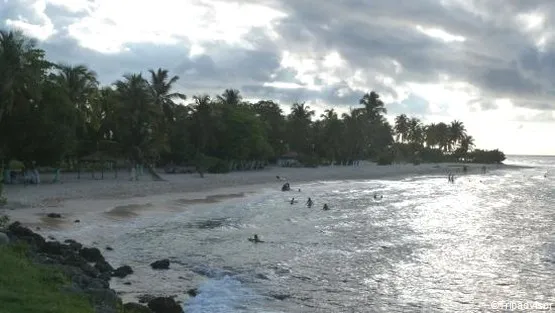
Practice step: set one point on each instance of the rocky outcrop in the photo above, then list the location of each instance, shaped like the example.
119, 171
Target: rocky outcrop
163, 264
4, 239
164, 305
76, 263
135, 308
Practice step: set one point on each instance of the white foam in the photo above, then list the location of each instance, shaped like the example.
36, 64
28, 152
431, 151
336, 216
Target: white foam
220, 296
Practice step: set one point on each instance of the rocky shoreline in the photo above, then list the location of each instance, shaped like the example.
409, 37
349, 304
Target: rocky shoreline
89, 273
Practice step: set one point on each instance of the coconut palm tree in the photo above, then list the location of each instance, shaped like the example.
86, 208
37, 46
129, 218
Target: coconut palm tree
162, 86
401, 127
373, 105
230, 97
457, 132
22, 70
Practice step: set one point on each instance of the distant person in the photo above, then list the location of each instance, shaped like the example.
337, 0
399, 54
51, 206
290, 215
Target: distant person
299, 189
278, 177
465, 169
326, 207
376, 196
293, 201
483, 169
309, 202
255, 239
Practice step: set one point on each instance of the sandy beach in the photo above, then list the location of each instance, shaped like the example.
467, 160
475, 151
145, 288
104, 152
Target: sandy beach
120, 198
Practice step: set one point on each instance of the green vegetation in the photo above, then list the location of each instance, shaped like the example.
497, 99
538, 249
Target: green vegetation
57, 114
29, 288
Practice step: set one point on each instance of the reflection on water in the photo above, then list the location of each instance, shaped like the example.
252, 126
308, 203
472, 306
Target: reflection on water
427, 246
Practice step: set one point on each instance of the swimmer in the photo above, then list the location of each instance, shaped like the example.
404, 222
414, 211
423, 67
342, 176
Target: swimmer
376, 197
255, 239
309, 202
293, 201
326, 207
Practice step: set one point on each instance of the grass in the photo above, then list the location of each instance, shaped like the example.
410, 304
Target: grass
29, 288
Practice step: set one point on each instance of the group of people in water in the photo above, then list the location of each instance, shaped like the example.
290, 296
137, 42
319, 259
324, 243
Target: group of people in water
309, 203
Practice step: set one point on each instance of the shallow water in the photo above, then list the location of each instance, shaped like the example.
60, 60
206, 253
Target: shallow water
427, 246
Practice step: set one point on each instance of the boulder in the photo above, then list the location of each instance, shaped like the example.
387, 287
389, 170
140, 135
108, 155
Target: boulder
91, 254
54, 215
73, 244
122, 271
164, 305
163, 264
103, 267
24, 234
135, 308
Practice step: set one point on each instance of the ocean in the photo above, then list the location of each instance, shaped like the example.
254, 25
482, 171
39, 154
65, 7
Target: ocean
483, 244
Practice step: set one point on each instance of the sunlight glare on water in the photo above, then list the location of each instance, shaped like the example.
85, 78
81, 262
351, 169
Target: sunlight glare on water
427, 246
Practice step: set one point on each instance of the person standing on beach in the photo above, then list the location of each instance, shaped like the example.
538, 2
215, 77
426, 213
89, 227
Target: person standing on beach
309, 202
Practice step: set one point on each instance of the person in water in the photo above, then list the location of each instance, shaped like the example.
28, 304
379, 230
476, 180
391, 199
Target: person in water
293, 201
326, 207
376, 196
309, 202
255, 239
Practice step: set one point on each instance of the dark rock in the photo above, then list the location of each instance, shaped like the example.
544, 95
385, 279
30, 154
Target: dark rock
91, 254
52, 247
128, 283
103, 267
164, 305
281, 296
77, 221
192, 292
161, 264
54, 215
122, 271
51, 237
20, 233
135, 308
145, 298
109, 248
73, 244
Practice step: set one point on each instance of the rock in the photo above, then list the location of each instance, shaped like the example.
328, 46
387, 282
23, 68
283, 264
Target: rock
122, 271
103, 267
135, 308
53, 247
109, 248
161, 264
128, 283
77, 221
24, 234
164, 305
145, 298
4, 239
192, 292
73, 244
54, 215
91, 254
51, 237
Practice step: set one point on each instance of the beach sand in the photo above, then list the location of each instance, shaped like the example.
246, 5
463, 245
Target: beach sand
120, 198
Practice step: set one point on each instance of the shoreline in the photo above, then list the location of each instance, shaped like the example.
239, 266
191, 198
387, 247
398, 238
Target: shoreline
121, 199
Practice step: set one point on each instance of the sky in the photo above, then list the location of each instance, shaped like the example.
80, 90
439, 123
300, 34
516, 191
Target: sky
487, 63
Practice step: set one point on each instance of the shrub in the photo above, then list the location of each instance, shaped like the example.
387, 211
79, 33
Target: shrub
487, 156
4, 220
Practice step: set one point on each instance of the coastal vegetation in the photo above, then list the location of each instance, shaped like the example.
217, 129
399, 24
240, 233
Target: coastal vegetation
57, 114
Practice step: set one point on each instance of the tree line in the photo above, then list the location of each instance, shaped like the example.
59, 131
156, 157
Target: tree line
53, 114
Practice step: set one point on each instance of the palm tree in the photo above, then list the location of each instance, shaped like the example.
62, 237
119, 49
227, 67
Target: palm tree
299, 132
230, 97
401, 127
162, 86
22, 69
467, 144
415, 131
139, 118
373, 105
457, 132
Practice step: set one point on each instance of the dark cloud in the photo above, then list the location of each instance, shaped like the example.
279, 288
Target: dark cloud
497, 56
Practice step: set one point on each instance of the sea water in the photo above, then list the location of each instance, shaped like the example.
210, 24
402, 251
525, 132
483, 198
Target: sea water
426, 246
